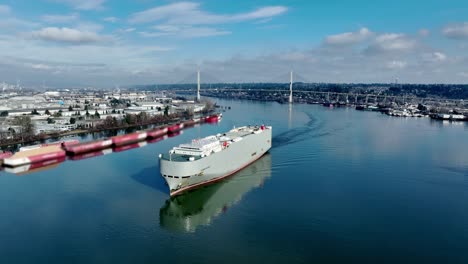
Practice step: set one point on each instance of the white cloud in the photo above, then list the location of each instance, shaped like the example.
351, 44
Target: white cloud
189, 13
8, 22
434, 57
263, 21
167, 28
459, 31
4, 9
67, 35
60, 19
388, 37
261, 13
394, 65
463, 74
40, 66
439, 56
183, 32
84, 4
110, 19
150, 60
89, 26
391, 42
348, 37
424, 32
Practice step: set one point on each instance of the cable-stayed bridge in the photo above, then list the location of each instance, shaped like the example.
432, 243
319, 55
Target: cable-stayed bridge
289, 90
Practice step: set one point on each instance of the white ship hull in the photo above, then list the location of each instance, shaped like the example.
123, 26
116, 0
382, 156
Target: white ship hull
183, 175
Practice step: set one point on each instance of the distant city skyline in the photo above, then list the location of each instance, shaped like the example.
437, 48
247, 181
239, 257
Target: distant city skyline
102, 43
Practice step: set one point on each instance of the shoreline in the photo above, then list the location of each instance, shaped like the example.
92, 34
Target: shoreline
43, 138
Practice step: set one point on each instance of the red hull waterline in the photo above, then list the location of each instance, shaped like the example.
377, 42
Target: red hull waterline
154, 140
89, 146
212, 118
128, 138
45, 163
174, 134
89, 155
215, 180
155, 133
25, 169
14, 162
175, 128
130, 146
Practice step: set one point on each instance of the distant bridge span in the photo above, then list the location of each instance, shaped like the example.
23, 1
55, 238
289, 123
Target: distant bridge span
333, 96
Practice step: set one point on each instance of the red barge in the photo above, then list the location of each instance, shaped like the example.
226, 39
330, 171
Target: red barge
213, 118
35, 167
158, 132
63, 144
175, 128
128, 138
38, 154
89, 146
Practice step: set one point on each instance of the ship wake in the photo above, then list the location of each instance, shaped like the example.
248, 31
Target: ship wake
312, 129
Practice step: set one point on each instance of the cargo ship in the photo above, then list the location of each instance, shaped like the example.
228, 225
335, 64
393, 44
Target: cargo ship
213, 158
186, 213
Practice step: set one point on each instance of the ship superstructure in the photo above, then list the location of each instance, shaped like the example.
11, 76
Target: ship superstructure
213, 158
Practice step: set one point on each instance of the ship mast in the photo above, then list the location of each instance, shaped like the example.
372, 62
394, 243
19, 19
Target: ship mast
198, 85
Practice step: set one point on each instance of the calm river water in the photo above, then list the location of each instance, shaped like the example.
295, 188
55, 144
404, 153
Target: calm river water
338, 185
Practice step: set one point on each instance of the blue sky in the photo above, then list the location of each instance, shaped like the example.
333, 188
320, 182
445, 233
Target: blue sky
103, 43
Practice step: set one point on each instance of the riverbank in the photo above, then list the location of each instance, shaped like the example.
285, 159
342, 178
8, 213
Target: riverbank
29, 140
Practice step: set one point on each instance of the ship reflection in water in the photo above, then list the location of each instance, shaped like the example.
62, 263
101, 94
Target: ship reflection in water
35, 167
185, 213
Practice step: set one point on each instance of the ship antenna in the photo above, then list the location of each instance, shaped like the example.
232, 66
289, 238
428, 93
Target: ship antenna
198, 85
